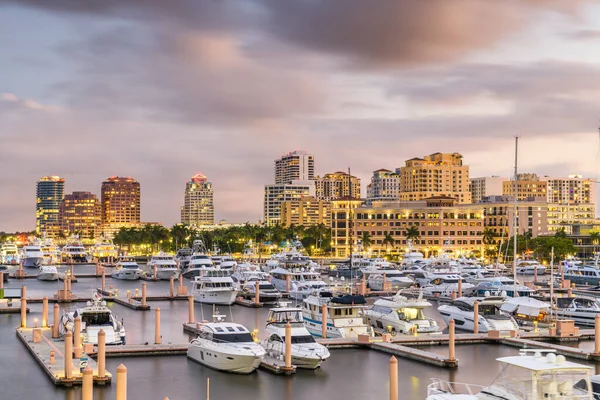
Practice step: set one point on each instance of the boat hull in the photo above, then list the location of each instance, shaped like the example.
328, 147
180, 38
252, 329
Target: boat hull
126, 275
32, 262
314, 327
222, 361
165, 274
225, 297
48, 276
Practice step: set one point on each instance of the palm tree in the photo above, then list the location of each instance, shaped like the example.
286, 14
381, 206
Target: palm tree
412, 233
595, 239
388, 239
488, 236
366, 239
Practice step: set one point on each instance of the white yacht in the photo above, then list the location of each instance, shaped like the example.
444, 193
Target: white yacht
246, 272
345, 317
47, 273
183, 257
199, 262
227, 262
73, 251
127, 269
32, 255
444, 285
214, 286
9, 253
306, 352
394, 280
528, 267
95, 316
290, 258
498, 286
302, 281
104, 251
491, 317
413, 257
581, 274
226, 346
166, 266
267, 291
529, 376
581, 309
51, 252
399, 314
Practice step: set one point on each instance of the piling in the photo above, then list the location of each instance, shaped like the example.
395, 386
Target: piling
143, 294
101, 354
451, 339
288, 346
453, 295
69, 286
476, 317
324, 321
288, 283
87, 384
72, 272
1, 280
77, 337
23, 307
384, 282
535, 275
157, 339
55, 333
569, 292
103, 280
597, 334
191, 309
121, 382
460, 293
45, 312
172, 292
363, 285
393, 378
208, 387
69, 355
52, 357
257, 293
65, 287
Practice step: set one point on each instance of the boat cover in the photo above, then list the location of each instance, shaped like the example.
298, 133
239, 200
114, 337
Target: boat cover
349, 299
525, 306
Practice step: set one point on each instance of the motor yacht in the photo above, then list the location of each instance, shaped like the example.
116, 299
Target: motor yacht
95, 316
9, 253
183, 257
444, 285
127, 269
166, 266
199, 262
413, 257
529, 376
104, 251
581, 309
345, 318
226, 346
224, 261
32, 255
291, 257
246, 272
394, 280
491, 317
73, 251
399, 314
50, 251
581, 274
306, 352
302, 281
498, 286
267, 291
529, 267
214, 286
47, 273
528, 311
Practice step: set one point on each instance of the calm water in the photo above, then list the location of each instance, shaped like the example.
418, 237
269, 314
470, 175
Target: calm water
348, 374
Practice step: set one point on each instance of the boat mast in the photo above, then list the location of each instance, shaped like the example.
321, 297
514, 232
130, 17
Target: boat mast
349, 227
515, 227
551, 283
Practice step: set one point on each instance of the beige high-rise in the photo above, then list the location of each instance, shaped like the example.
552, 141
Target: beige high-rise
336, 185
198, 207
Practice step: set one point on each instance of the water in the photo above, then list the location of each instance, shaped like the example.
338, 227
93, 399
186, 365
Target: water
348, 374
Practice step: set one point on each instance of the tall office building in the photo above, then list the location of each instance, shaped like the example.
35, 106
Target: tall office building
439, 174
336, 185
575, 189
120, 199
81, 213
277, 194
50, 191
294, 166
385, 185
486, 186
198, 207
529, 187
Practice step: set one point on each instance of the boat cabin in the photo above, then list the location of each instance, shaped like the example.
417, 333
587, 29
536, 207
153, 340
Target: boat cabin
225, 332
281, 316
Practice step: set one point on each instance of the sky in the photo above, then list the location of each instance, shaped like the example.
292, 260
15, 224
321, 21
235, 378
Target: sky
161, 90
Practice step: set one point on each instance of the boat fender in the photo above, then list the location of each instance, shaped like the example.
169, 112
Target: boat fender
351, 321
393, 333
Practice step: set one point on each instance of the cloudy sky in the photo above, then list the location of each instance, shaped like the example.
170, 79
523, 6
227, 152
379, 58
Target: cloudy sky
160, 90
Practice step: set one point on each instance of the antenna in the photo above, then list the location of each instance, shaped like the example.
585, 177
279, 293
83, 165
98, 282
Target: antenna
515, 226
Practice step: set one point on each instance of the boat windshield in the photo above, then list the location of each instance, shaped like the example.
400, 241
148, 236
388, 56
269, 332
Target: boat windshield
409, 314
303, 339
131, 266
233, 337
96, 318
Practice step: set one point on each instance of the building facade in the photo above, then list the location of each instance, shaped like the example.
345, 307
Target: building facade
385, 185
528, 185
198, 207
120, 198
336, 185
439, 174
81, 213
305, 211
564, 216
572, 190
485, 186
277, 194
50, 191
532, 216
294, 166
343, 240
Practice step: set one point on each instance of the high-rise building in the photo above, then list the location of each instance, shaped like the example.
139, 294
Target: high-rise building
486, 186
305, 211
529, 187
499, 212
277, 194
50, 191
120, 199
439, 174
198, 208
385, 185
338, 184
573, 190
294, 166
81, 213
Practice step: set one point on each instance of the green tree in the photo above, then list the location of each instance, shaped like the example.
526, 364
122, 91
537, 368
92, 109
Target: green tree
366, 239
595, 239
412, 233
561, 233
543, 245
388, 240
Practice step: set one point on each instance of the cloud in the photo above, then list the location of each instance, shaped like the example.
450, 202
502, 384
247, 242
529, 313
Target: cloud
11, 102
584, 34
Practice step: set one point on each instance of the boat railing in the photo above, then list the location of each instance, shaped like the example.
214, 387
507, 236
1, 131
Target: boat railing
438, 386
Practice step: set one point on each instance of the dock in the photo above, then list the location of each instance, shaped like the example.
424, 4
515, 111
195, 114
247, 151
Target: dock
140, 350
41, 351
276, 366
414, 354
130, 303
240, 301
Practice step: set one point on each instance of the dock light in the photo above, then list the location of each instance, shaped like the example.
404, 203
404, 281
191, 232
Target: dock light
35, 322
389, 328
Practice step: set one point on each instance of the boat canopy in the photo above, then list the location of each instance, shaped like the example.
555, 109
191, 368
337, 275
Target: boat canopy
525, 306
349, 299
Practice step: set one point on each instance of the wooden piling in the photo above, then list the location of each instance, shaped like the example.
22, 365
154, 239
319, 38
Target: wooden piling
45, 312
121, 382
288, 283
451, 340
172, 287
77, 349
103, 280
393, 378
23, 307
143, 294
288, 345
55, 332
87, 384
257, 293
475, 316
191, 309
324, 321
157, 338
101, 354
460, 291
68, 355
597, 334
1, 280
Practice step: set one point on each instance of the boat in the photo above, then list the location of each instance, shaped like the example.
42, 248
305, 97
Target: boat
47, 273
529, 267
9, 253
32, 255
595, 381
306, 352
528, 311
581, 309
267, 291
399, 314
581, 274
166, 266
95, 316
226, 346
302, 281
5, 272
214, 286
199, 262
345, 317
127, 269
491, 317
394, 280
246, 272
445, 285
50, 251
227, 262
290, 257
499, 286
104, 251
528, 376
183, 257
73, 251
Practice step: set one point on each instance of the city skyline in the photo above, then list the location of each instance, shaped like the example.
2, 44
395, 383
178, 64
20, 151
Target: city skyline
235, 89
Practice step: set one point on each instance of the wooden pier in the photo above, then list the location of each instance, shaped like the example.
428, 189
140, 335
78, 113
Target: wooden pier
140, 350
49, 353
276, 366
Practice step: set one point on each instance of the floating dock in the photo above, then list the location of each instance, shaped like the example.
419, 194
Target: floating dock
276, 366
139, 350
